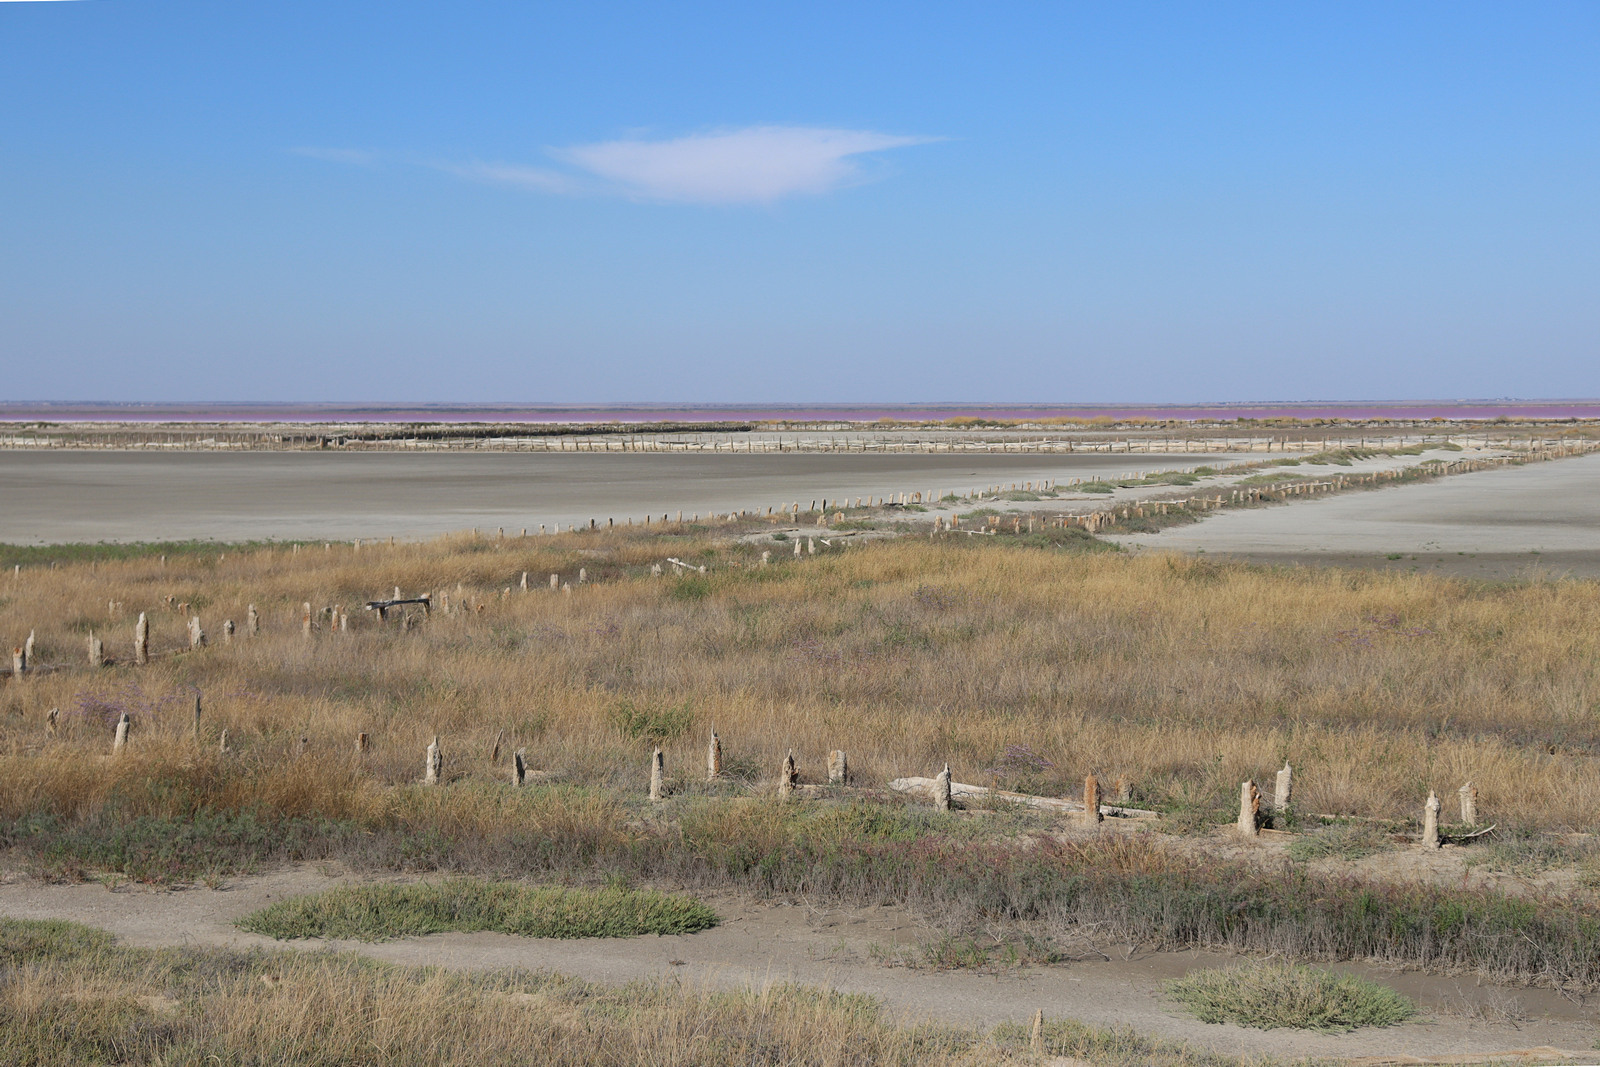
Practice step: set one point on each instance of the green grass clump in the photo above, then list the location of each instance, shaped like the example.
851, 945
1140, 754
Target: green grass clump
1269, 996
469, 905
1342, 841
1525, 853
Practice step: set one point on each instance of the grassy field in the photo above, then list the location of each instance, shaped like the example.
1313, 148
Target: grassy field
69, 995
468, 905
1027, 661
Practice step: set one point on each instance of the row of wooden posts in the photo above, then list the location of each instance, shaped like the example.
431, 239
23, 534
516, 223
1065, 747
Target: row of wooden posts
1251, 817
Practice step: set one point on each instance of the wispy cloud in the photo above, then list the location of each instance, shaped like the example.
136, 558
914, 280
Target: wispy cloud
753, 165
353, 156
538, 179
758, 164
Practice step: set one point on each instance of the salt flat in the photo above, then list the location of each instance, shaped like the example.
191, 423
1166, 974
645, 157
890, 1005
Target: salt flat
56, 497
1543, 517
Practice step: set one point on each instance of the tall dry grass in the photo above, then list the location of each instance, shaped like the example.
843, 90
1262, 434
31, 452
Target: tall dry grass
1185, 675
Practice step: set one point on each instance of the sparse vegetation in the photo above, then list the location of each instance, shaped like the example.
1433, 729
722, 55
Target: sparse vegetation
1184, 675
1342, 841
1269, 996
469, 905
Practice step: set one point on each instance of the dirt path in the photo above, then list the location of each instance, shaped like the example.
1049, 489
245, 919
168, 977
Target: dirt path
838, 947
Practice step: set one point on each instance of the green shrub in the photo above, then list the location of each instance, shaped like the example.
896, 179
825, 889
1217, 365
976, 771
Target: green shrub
1269, 996
467, 905
1344, 841
637, 723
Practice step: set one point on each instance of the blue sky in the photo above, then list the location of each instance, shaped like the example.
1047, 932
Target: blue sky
919, 202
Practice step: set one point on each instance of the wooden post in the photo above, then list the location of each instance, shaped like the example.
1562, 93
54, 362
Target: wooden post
433, 763
714, 757
27, 650
519, 766
941, 789
524, 578
787, 776
141, 640
252, 621
363, 744
1091, 801
52, 721
121, 738
1036, 1037
19, 661
838, 767
1124, 789
97, 651
197, 636
658, 770
766, 557
1469, 804
555, 582
1249, 809
583, 575
1430, 822
1283, 790
222, 745
494, 753
305, 620
797, 549
227, 632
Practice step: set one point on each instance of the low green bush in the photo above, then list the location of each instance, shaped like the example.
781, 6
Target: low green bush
1269, 996
468, 905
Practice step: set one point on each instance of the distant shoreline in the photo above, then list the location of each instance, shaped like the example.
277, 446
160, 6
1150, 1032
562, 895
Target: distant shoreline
1453, 410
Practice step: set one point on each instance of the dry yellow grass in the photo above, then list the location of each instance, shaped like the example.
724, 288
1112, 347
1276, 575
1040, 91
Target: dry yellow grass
1184, 674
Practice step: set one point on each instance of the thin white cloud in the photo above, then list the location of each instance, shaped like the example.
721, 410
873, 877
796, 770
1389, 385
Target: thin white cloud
352, 156
538, 179
754, 165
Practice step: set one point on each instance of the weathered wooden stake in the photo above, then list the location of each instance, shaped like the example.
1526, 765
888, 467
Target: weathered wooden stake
1283, 790
1469, 804
524, 578
1091, 801
363, 744
787, 776
1036, 1038
494, 753
141, 640
222, 745
1124, 787
658, 770
519, 766
52, 720
1430, 822
19, 661
305, 620
433, 763
197, 636
555, 582
27, 649
583, 575
227, 631
252, 621
941, 789
766, 557
838, 767
714, 757
1249, 809
121, 738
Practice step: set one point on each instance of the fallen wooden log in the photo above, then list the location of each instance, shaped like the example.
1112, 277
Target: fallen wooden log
960, 791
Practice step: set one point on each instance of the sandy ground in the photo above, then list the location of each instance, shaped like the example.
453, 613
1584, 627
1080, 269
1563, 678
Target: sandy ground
53, 497
1543, 518
838, 947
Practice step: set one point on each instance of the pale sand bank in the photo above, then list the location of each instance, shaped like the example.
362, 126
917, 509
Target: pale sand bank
1543, 517
133, 496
